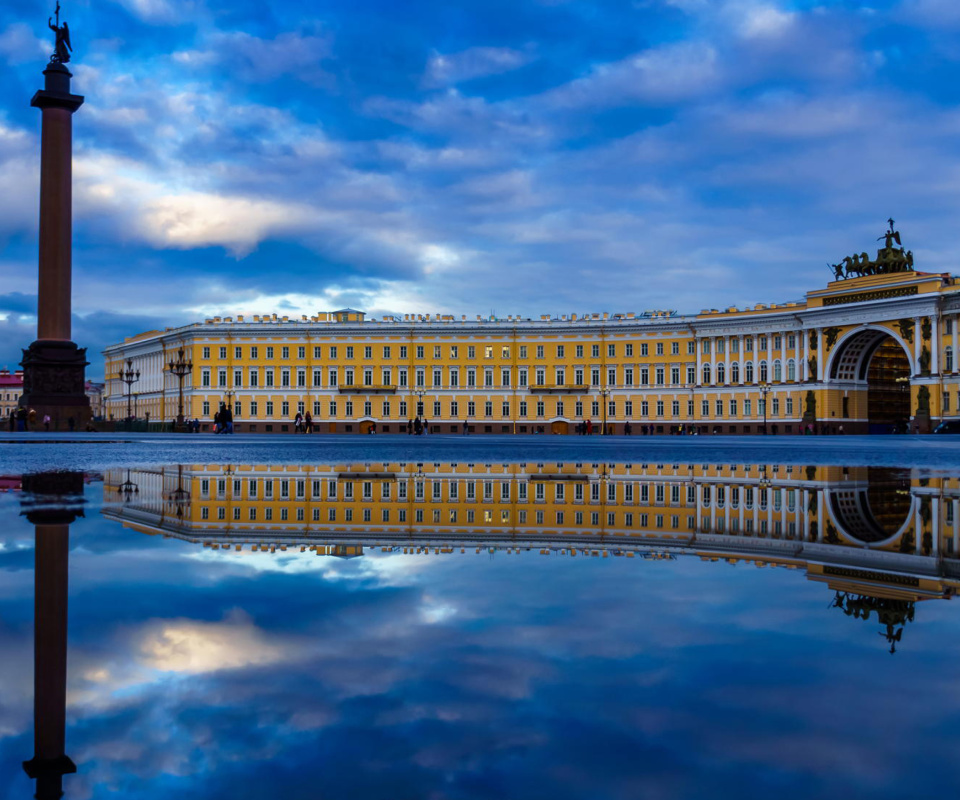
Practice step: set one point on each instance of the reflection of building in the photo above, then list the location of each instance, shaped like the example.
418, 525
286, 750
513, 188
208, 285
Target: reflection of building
851, 528
866, 353
882, 540
11, 387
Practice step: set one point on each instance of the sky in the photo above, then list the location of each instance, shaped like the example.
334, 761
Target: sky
211, 674
504, 156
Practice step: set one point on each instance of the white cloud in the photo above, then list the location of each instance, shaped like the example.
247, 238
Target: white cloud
667, 74
165, 12
19, 44
190, 647
761, 21
475, 62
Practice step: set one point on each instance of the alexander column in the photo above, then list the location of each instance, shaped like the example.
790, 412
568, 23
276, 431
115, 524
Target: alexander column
53, 366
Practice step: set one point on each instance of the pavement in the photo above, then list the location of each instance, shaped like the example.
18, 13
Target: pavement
30, 452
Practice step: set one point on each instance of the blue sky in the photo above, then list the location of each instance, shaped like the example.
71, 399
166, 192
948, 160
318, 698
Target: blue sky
203, 674
531, 156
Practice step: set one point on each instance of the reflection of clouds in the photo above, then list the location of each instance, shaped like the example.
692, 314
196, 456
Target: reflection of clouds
191, 647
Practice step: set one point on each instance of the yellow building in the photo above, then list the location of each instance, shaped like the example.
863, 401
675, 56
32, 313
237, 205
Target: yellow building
866, 354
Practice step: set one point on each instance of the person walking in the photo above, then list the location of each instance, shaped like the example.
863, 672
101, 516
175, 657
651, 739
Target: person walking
309, 422
46, 423
13, 421
466, 428
21, 419
227, 419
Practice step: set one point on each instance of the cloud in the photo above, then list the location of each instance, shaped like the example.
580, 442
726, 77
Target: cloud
263, 60
475, 62
161, 12
667, 74
20, 45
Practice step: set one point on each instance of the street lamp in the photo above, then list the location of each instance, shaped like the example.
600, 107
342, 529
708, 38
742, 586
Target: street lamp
420, 393
604, 393
181, 368
764, 388
129, 376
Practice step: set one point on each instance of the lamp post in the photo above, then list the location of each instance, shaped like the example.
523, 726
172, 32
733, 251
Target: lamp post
129, 376
604, 393
764, 388
181, 368
420, 393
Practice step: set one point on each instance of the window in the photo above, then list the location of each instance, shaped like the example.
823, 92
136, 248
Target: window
560, 351
436, 351
595, 351
284, 352
539, 351
660, 376
579, 351
763, 371
748, 371
349, 353
735, 372
223, 352
505, 376
317, 352
419, 351
947, 359
611, 351
368, 352
675, 348
791, 370
644, 349
659, 348
403, 351
706, 373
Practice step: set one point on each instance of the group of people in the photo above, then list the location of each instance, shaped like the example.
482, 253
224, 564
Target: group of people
223, 420
25, 419
418, 427
303, 423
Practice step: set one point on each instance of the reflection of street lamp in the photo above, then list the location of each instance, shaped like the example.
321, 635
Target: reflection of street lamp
179, 497
604, 393
129, 376
764, 388
181, 368
128, 489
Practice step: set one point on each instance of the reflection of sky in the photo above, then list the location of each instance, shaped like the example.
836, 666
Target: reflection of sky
202, 674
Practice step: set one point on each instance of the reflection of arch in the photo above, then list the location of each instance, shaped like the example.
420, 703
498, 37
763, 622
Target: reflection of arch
851, 356
876, 513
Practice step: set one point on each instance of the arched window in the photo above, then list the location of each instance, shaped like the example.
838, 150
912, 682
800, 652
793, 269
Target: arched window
777, 371
721, 373
763, 371
735, 372
791, 370
948, 360
748, 369
706, 373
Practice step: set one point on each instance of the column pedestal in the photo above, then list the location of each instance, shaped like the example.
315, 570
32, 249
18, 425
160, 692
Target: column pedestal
53, 383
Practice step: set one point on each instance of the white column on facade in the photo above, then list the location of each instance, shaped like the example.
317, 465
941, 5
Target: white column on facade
804, 355
917, 338
935, 344
821, 371
953, 325
698, 348
713, 359
935, 526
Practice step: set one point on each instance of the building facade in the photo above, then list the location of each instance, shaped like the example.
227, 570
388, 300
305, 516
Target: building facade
866, 353
11, 387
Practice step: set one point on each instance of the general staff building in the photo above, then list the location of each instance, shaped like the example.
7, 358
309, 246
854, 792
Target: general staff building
871, 352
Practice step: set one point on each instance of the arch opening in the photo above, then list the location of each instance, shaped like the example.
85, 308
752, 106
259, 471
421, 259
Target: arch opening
878, 369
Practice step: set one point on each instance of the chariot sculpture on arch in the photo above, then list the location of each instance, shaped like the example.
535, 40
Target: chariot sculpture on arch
889, 259
62, 48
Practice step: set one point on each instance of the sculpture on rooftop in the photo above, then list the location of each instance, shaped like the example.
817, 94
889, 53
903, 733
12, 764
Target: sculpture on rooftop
889, 259
61, 54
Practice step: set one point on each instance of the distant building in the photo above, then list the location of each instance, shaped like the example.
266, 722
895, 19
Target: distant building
11, 387
94, 391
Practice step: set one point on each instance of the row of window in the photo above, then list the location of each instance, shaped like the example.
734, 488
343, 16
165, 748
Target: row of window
630, 375
645, 492
490, 351
454, 351
719, 408
628, 519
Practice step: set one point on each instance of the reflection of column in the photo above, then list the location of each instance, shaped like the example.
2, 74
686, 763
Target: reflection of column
956, 526
50, 763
